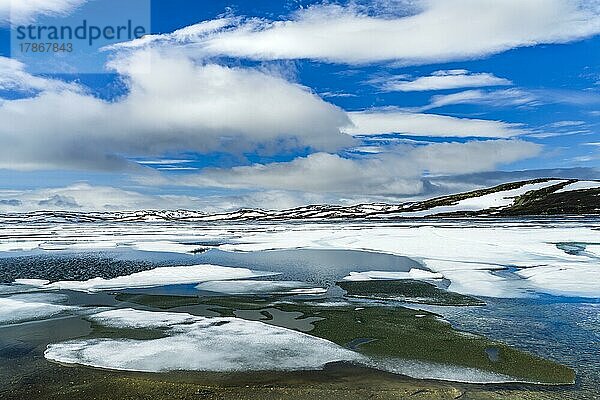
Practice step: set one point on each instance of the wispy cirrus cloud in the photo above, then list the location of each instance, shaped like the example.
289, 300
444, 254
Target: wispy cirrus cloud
566, 124
514, 97
440, 80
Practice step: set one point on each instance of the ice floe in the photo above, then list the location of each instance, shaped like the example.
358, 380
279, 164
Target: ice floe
414, 273
199, 344
28, 307
159, 277
246, 287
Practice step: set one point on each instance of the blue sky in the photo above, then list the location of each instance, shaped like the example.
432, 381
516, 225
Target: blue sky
277, 104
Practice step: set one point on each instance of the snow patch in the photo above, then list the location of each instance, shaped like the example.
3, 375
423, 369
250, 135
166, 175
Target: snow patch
493, 200
579, 185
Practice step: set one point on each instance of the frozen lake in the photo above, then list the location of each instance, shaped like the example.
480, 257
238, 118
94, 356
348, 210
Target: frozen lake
531, 284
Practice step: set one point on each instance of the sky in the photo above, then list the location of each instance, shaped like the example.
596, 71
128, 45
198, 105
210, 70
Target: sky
225, 105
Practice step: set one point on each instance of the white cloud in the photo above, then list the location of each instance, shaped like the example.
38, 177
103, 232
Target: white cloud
176, 105
268, 200
398, 173
375, 122
441, 80
85, 197
439, 30
24, 11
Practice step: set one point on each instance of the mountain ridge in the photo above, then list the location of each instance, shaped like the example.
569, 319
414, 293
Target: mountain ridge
535, 197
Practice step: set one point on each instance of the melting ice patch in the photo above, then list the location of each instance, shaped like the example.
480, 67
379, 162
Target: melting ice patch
236, 287
414, 273
159, 277
199, 344
29, 307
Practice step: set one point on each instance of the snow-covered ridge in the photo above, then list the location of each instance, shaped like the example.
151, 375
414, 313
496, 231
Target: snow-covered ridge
534, 197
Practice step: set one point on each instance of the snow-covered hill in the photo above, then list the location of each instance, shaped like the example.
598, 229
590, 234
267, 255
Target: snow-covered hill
537, 197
